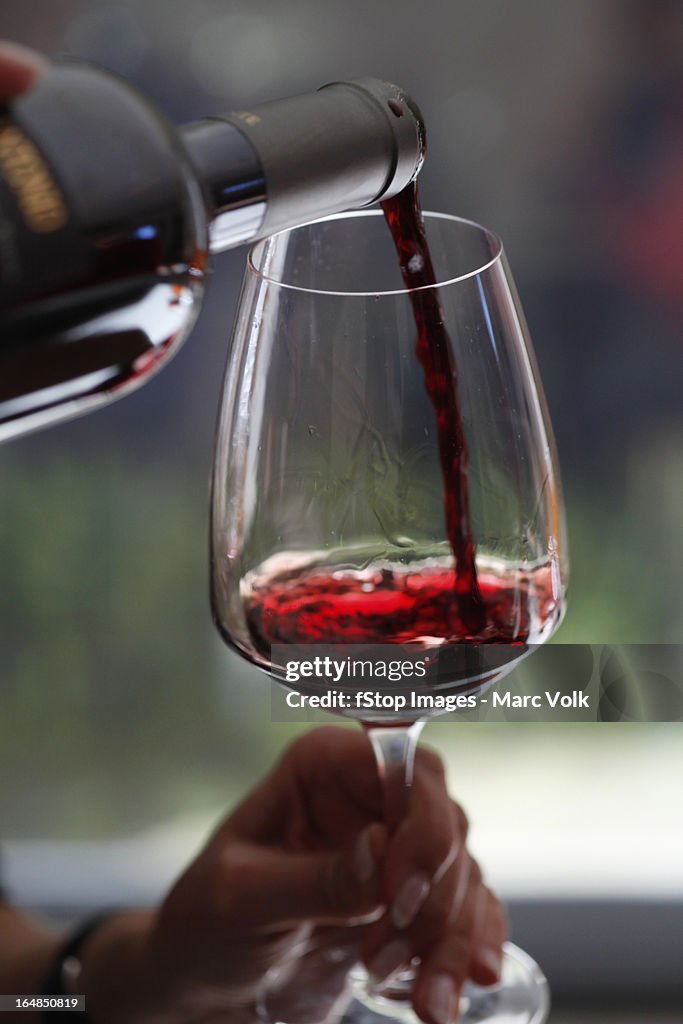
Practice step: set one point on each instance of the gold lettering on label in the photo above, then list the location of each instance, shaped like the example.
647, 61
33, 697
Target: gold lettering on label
246, 116
29, 177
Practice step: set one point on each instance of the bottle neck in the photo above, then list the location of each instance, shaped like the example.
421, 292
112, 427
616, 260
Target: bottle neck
285, 163
230, 170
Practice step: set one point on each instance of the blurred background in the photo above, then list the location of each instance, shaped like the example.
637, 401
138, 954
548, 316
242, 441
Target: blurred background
126, 729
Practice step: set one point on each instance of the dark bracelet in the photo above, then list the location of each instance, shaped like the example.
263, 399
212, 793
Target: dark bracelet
67, 965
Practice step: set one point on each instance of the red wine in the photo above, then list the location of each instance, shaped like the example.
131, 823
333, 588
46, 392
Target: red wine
470, 611
290, 603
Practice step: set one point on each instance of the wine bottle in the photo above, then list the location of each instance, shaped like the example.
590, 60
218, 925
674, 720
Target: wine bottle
108, 214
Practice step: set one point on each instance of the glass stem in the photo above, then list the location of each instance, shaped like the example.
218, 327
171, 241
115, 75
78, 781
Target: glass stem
394, 748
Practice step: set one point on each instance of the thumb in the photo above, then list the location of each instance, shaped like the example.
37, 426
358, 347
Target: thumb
324, 887
19, 69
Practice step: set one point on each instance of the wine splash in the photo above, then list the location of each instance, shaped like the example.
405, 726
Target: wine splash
288, 601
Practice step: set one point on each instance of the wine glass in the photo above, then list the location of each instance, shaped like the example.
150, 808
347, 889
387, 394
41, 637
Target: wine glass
327, 508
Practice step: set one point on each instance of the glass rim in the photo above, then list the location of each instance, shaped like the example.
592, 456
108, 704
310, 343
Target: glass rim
357, 214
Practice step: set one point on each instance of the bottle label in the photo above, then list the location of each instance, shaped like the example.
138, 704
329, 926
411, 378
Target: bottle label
23, 169
41, 247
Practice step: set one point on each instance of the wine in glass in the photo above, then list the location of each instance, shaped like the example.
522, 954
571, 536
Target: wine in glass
384, 474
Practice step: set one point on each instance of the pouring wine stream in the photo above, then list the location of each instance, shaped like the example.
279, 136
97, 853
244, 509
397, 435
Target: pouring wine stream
434, 350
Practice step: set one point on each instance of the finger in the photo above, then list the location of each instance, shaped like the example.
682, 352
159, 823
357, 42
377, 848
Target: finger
487, 957
268, 888
446, 897
424, 846
19, 69
323, 792
334, 767
382, 945
443, 971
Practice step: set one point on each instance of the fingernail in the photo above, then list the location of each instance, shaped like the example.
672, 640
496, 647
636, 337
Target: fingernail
411, 896
491, 960
388, 959
363, 861
441, 999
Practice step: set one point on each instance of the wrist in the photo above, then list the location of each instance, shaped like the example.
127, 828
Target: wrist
118, 977
27, 951
126, 979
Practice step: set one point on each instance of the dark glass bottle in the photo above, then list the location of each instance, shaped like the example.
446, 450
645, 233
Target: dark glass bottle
108, 213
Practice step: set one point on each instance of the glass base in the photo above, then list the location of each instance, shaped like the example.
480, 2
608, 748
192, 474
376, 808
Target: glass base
521, 997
